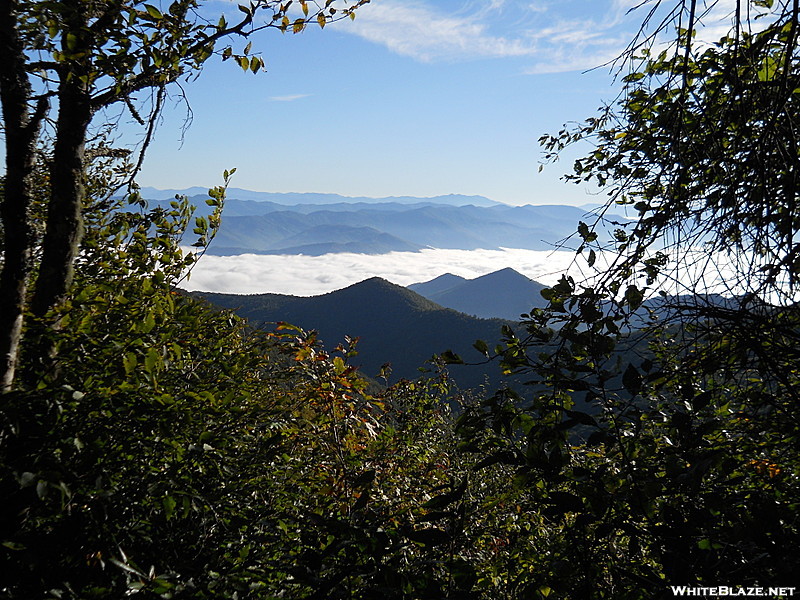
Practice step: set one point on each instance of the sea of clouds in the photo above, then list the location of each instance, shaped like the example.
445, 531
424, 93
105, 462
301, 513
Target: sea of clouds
694, 270
313, 275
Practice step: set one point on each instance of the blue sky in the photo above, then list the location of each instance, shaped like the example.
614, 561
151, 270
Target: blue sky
414, 97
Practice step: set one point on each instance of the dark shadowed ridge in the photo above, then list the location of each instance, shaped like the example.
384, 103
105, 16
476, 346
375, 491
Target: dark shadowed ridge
393, 324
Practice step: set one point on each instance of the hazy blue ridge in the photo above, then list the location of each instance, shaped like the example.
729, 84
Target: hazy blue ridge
437, 285
343, 234
505, 294
465, 228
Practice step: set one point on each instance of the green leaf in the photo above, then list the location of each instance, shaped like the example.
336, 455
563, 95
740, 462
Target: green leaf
365, 478
338, 365
148, 324
582, 418
634, 297
71, 41
451, 358
632, 380
153, 11
481, 347
169, 504
152, 360
446, 499
129, 363
566, 502
586, 233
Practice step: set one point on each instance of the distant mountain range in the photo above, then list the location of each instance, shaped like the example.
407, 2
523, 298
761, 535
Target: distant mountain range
504, 294
314, 224
295, 198
393, 324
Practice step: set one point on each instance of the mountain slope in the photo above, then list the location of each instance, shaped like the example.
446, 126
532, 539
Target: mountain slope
503, 294
393, 325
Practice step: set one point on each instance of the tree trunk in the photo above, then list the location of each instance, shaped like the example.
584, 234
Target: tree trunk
21, 130
64, 226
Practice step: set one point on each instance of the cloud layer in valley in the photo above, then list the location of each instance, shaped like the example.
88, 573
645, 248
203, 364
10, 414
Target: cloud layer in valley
312, 275
301, 275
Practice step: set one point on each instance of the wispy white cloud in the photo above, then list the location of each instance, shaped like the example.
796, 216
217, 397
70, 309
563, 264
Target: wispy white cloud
417, 30
550, 36
573, 46
288, 98
578, 42
555, 36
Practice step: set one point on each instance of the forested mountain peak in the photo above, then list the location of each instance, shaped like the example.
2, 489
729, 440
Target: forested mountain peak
393, 324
